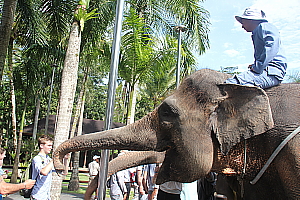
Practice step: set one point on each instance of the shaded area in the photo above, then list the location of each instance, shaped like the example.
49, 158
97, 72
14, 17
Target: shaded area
89, 126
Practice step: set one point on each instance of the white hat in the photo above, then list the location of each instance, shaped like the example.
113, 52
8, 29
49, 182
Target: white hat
96, 157
253, 14
122, 152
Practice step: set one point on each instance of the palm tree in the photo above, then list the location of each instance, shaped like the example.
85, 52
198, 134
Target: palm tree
163, 16
69, 82
135, 57
78, 117
142, 53
149, 19
7, 20
68, 88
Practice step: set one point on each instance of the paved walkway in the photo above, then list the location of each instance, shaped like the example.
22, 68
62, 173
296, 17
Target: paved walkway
63, 196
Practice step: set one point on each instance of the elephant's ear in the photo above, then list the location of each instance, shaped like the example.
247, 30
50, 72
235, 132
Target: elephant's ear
243, 112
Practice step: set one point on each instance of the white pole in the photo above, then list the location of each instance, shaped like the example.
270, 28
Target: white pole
179, 29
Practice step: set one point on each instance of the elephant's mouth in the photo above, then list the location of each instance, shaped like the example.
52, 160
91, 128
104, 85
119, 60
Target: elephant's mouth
164, 144
163, 148
184, 164
169, 170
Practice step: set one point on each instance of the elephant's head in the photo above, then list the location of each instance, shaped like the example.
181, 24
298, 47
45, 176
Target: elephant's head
184, 125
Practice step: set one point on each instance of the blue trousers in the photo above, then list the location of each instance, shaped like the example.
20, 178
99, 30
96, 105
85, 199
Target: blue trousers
251, 78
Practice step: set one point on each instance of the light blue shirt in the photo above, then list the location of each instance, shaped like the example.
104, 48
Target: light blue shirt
268, 52
189, 191
117, 184
150, 168
1, 173
41, 189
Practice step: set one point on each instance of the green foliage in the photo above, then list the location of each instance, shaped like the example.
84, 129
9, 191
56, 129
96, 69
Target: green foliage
229, 70
58, 15
82, 16
96, 101
294, 77
137, 48
29, 27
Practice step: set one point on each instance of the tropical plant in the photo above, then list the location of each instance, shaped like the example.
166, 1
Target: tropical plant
294, 77
229, 70
136, 56
155, 19
7, 19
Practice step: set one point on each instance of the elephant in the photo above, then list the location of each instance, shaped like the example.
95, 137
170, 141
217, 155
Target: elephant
207, 125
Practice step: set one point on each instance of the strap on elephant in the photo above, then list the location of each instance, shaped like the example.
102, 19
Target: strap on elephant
244, 169
275, 153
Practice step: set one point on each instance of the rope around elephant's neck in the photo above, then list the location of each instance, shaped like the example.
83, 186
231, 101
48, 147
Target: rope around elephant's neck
244, 168
275, 153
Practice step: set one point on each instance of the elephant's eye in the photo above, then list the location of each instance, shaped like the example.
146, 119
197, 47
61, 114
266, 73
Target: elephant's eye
167, 112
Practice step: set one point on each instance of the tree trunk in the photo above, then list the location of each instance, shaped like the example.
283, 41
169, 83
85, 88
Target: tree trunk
14, 177
78, 108
74, 180
36, 117
125, 97
13, 97
7, 19
68, 88
132, 104
84, 160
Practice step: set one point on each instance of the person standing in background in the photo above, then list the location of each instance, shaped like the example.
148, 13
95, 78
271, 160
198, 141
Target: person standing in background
169, 190
93, 170
2, 173
42, 167
149, 181
94, 167
142, 193
118, 190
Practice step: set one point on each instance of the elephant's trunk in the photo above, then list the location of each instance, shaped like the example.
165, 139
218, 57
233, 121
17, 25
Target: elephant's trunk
134, 158
140, 136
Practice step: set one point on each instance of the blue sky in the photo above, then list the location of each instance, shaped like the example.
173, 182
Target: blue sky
231, 45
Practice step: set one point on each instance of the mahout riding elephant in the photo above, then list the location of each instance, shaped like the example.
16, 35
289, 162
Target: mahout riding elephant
205, 126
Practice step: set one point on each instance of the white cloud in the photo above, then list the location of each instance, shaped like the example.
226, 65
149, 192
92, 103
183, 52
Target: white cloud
242, 67
227, 44
279, 10
227, 34
232, 52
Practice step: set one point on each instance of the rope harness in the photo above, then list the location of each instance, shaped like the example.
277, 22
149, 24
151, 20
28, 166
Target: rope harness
269, 161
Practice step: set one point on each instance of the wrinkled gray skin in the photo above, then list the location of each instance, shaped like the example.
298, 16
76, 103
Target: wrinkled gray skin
203, 121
